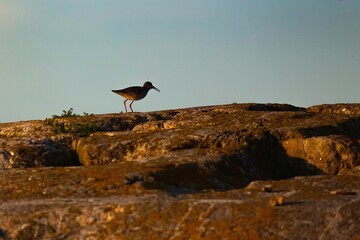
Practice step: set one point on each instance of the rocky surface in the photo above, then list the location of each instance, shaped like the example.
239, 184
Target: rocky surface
239, 171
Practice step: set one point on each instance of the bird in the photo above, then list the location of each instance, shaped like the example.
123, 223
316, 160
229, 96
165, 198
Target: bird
135, 93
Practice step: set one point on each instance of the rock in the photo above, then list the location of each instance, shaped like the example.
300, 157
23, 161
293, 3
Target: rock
27, 129
332, 154
32, 152
342, 108
277, 201
98, 202
196, 173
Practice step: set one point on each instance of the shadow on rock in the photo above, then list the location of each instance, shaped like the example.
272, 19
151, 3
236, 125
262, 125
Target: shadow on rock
350, 128
265, 160
275, 107
3, 235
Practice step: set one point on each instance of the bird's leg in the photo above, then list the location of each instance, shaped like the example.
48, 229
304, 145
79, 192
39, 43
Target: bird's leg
131, 104
125, 105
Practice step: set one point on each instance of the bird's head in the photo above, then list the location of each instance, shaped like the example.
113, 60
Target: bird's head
148, 85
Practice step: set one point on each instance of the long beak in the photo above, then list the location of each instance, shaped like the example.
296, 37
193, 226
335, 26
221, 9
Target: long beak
156, 89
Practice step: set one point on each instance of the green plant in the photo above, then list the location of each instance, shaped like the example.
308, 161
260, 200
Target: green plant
66, 113
80, 129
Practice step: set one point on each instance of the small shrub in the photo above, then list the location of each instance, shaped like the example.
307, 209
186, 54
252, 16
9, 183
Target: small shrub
66, 113
81, 129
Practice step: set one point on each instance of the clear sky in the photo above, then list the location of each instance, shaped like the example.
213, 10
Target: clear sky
56, 55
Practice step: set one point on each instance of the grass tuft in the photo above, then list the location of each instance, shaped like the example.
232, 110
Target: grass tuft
80, 129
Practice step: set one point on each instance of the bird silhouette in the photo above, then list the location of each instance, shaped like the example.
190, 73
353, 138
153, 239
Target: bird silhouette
135, 93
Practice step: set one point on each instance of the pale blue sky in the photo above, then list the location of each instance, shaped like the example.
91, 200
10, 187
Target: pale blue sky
55, 55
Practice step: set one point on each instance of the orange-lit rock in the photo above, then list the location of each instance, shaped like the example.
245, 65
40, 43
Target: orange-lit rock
196, 173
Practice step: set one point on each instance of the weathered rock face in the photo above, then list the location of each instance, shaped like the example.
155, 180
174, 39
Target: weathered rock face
349, 109
181, 174
332, 154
